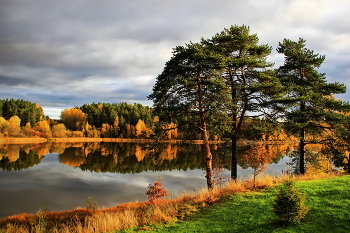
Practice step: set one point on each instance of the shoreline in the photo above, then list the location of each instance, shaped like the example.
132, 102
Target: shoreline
84, 139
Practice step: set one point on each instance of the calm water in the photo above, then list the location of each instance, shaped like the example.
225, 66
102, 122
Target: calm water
56, 177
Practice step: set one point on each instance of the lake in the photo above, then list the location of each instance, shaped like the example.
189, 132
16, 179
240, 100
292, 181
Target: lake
61, 176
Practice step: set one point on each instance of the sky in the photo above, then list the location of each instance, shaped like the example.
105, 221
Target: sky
63, 54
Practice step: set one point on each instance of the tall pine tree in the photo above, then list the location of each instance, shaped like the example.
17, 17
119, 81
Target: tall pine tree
309, 104
246, 72
189, 86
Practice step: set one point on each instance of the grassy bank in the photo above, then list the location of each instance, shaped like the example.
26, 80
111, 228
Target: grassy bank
234, 208
328, 200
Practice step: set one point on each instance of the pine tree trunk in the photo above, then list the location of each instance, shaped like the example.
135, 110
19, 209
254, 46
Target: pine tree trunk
208, 161
234, 135
205, 136
302, 133
234, 162
302, 144
302, 152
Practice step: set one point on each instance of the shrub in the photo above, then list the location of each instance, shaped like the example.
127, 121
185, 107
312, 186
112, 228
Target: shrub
289, 203
156, 191
90, 204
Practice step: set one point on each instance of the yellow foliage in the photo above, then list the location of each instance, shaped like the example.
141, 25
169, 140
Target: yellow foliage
139, 153
13, 155
59, 131
169, 153
14, 126
73, 161
142, 129
171, 130
74, 119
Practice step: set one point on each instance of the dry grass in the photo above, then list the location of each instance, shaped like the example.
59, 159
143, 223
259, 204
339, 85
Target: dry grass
136, 214
318, 175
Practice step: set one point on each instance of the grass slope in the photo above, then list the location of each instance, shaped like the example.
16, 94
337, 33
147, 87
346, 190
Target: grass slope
328, 200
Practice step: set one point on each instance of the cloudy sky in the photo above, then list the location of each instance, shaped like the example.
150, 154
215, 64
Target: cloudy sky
62, 54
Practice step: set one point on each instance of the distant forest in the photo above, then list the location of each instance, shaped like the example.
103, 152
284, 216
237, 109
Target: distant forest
21, 118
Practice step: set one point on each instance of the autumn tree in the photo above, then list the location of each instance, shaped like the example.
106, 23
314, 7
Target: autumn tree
116, 128
59, 131
156, 191
27, 130
74, 119
43, 127
258, 157
171, 130
105, 130
90, 131
130, 131
14, 126
142, 130
309, 102
4, 124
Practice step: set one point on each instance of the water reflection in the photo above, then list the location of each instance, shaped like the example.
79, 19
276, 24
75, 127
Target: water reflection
61, 176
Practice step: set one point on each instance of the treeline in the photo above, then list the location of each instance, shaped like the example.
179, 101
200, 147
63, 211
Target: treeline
27, 111
20, 118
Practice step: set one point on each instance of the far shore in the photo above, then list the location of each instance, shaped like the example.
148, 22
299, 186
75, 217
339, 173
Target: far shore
83, 139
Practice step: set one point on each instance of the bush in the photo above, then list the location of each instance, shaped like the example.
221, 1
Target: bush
90, 204
156, 191
289, 204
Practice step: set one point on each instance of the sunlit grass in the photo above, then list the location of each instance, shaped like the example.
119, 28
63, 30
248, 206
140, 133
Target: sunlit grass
328, 200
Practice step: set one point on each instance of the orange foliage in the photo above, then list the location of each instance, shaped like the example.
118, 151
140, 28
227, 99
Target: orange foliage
59, 131
258, 157
73, 118
14, 126
170, 152
139, 153
156, 191
13, 154
142, 129
42, 129
316, 161
130, 131
171, 131
279, 136
73, 161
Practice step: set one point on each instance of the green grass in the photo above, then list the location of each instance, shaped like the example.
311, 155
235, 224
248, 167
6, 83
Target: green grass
328, 200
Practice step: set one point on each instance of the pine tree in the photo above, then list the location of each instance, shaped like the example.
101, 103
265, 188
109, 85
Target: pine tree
309, 102
189, 86
289, 203
246, 73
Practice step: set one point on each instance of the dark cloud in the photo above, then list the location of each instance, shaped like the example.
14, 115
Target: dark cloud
62, 54
11, 81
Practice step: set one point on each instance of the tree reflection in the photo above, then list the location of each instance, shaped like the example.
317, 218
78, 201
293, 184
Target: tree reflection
125, 157
19, 159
